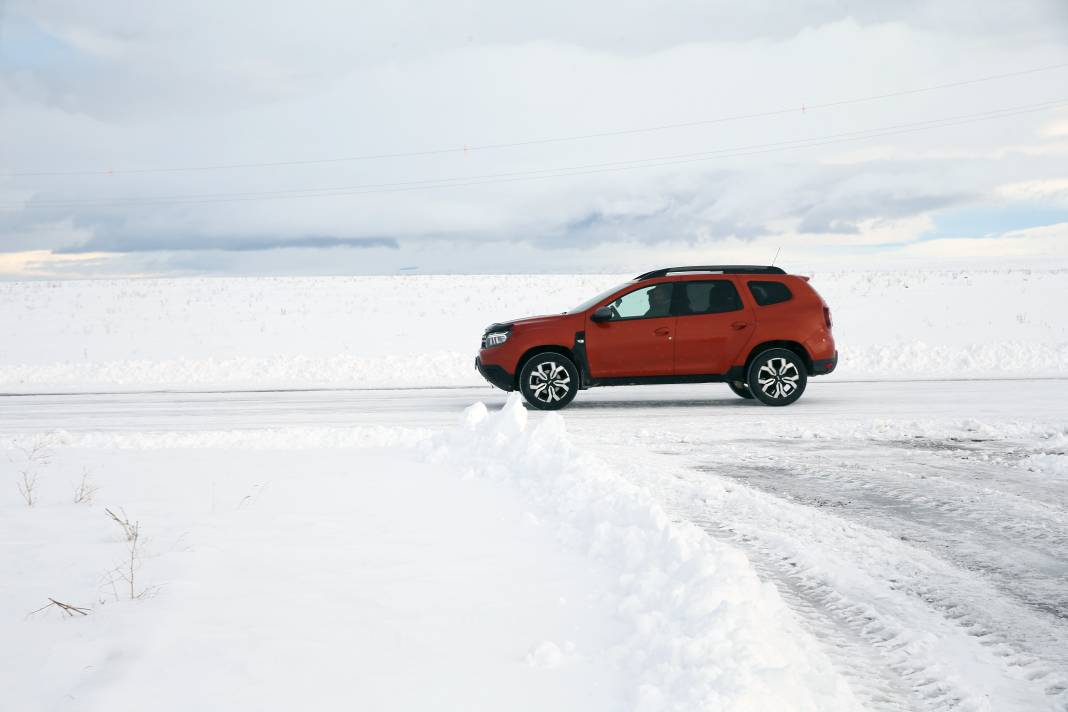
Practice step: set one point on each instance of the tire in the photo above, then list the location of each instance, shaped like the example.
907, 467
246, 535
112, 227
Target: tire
740, 389
777, 377
548, 380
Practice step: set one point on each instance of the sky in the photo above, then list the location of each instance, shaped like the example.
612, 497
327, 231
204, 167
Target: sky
488, 136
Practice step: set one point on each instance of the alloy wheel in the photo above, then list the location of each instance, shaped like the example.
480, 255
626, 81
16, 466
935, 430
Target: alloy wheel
549, 382
778, 377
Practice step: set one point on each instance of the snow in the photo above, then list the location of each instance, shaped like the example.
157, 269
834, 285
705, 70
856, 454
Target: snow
702, 630
423, 330
1047, 464
916, 529
292, 579
292, 438
491, 567
879, 545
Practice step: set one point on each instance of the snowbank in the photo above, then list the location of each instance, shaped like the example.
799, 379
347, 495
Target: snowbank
703, 632
424, 330
290, 438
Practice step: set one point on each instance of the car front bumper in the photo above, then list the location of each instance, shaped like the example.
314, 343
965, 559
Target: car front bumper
496, 375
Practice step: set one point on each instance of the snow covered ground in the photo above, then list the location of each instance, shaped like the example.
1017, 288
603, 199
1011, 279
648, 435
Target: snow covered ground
492, 567
424, 330
893, 545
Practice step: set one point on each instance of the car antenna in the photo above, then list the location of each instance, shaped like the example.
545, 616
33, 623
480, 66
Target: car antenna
775, 259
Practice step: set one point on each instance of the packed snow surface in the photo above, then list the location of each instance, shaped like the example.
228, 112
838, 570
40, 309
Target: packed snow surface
424, 330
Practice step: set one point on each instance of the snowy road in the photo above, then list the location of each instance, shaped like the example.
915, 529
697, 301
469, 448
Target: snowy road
918, 529
825, 402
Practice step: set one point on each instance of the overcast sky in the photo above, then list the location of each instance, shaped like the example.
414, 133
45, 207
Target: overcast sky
490, 136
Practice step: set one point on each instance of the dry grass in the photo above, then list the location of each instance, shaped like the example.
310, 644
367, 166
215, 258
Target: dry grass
67, 608
85, 490
38, 454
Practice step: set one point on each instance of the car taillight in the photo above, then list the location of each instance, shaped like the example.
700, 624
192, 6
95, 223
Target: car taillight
827, 316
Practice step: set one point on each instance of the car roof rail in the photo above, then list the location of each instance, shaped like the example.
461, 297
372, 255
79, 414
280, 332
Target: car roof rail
717, 269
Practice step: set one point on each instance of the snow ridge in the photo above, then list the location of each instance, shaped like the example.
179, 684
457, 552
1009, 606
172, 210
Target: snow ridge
704, 633
288, 438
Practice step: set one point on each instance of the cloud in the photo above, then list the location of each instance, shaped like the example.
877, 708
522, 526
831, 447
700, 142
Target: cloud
43, 263
1048, 241
233, 244
1054, 190
841, 214
141, 86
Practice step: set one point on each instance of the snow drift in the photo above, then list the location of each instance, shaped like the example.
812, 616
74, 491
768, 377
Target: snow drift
703, 632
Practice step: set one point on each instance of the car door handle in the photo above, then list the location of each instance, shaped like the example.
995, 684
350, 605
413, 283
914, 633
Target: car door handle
739, 325
662, 331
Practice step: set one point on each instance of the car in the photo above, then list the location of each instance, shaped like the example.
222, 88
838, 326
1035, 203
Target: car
761, 331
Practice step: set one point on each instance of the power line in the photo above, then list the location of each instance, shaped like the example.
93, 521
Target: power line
556, 172
543, 141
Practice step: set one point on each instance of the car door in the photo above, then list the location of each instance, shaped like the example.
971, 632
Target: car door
712, 327
638, 340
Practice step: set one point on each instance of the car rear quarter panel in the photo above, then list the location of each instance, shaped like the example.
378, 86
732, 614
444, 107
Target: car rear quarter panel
799, 319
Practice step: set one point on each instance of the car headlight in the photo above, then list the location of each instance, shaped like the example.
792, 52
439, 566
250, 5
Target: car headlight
495, 338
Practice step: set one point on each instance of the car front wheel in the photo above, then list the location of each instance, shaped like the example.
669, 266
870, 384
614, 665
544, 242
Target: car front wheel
777, 377
548, 380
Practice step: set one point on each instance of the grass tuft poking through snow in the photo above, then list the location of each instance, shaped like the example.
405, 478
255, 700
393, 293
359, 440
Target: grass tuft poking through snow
36, 456
703, 632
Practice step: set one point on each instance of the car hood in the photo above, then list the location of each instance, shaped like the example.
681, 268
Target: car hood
530, 321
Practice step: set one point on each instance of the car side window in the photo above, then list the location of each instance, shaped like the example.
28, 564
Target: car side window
714, 296
646, 303
767, 293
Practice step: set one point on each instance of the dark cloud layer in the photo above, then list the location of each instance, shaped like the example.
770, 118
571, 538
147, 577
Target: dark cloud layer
226, 244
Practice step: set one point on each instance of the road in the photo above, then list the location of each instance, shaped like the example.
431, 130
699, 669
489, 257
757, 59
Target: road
198, 410
903, 522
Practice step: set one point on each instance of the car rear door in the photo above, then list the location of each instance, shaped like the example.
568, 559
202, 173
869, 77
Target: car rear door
638, 340
712, 326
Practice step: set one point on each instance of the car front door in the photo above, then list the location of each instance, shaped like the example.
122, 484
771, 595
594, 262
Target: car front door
713, 326
638, 340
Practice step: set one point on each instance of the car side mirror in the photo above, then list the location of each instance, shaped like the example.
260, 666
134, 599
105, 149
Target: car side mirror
602, 314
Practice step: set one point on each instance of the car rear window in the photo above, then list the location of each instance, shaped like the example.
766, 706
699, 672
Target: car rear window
766, 293
713, 296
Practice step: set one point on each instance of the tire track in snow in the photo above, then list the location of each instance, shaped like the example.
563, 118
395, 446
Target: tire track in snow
928, 602
908, 629
865, 667
943, 502
876, 671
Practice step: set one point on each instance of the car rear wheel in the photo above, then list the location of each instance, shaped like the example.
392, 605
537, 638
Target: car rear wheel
548, 380
740, 389
777, 377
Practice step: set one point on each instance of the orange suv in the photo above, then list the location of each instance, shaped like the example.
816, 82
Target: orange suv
761, 331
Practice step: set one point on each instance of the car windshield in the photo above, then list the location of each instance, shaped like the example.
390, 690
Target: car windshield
590, 302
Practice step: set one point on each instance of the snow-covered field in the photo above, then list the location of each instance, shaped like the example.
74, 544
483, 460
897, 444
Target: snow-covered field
487, 566
896, 545
424, 331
